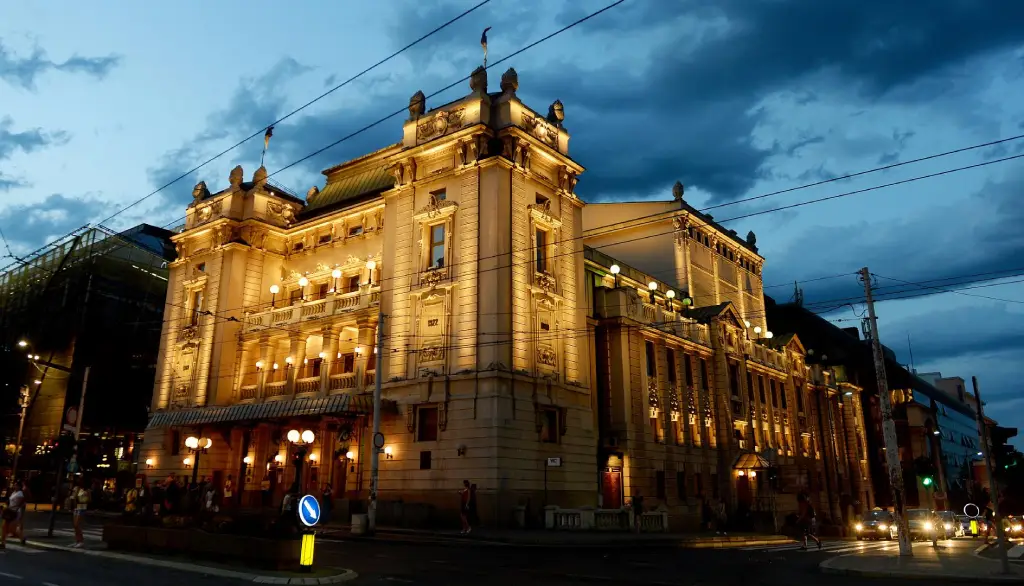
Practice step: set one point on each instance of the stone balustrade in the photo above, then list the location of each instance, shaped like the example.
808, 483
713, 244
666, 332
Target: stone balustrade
331, 305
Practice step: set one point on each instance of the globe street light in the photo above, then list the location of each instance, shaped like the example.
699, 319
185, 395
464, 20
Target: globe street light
274, 289
197, 446
302, 441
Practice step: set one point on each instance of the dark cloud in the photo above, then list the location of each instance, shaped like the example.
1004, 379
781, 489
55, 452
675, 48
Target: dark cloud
30, 225
959, 332
23, 71
26, 141
987, 238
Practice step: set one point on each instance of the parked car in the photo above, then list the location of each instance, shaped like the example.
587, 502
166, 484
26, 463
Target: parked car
951, 525
875, 524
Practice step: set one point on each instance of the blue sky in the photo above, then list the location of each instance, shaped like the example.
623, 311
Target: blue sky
734, 98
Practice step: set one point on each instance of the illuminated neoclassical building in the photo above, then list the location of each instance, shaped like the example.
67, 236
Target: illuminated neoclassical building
513, 356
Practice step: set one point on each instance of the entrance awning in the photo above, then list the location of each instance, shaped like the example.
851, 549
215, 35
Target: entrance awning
336, 404
750, 461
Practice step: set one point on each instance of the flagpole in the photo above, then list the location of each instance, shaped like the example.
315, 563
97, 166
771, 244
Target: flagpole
483, 43
266, 143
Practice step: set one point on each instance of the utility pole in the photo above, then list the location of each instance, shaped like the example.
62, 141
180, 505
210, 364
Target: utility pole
61, 469
993, 489
892, 455
378, 440
23, 400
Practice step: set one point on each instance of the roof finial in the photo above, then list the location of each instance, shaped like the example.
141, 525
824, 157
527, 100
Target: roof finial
677, 191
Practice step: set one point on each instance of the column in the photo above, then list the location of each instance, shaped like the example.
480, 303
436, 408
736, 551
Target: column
297, 352
266, 358
330, 350
366, 343
856, 482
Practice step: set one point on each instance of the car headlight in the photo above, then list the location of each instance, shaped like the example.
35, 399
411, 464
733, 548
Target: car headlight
859, 527
948, 526
928, 526
1018, 527
883, 527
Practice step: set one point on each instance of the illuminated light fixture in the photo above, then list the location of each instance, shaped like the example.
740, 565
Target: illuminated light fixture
339, 354
850, 394
187, 462
259, 364
371, 264
388, 452
22, 343
653, 286
149, 462
247, 460
303, 281
980, 454
38, 382
287, 360
192, 442
740, 473
936, 432
350, 455
670, 294
359, 350
36, 357
207, 444
305, 360
275, 366
746, 323
308, 436
687, 301
323, 355
274, 289
30, 357
769, 334
757, 330
312, 457
615, 269
278, 458
293, 436
336, 273
753, 473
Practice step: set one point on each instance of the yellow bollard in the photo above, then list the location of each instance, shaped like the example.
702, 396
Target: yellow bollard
306, 552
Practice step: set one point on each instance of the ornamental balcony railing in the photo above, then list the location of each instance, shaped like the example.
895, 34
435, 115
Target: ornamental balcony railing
765, 355
331, 305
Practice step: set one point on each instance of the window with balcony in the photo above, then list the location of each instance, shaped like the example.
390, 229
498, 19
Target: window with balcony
541, 241
195, 307
437, 246
322, 289
687, 370
651, 360
775, 393
760, 391
295, 296
426, 424
348, 363
352, 284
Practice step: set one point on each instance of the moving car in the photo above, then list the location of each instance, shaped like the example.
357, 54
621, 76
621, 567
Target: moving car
924, 524
1014, 526
875, 524
951, 525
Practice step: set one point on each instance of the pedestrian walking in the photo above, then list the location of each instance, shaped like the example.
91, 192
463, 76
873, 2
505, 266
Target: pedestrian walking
807, 521
327, 503
721, 518
474, 519
81, 499
638, 511
14, 515
464, 507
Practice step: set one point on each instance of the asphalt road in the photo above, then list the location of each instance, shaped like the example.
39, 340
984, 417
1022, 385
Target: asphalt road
432, 562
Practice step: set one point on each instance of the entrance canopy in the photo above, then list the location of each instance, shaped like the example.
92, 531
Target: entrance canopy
750, 461
336, 404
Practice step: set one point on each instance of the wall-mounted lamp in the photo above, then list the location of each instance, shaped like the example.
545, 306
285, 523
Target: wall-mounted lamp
323, 355
247, 460
278, 458
303, 281
287, 360
740, 473
350, 455
615, 269
274, 290
757, 330
461, 449
187, 462
388, 453
312, 457
275, 366
149, 462
259, 364
336, 274
753, 474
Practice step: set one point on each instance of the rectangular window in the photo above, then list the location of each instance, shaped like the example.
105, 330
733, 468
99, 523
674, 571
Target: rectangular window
353, 284
425, 460
698, 482
197, 307
426, 424
659, 484
314, 366
671, 366
750, 389
541, 244
355, 230
348, 363
439, 195
774, 392
437, 246
799, 392
295, 296
760, 391
175, 442
734, 379
681, 485
325, 238
704, 374
651, 359
687, 370
321, 290
782, 394
549, 426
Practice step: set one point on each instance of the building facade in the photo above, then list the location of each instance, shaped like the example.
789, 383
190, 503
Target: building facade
513, 353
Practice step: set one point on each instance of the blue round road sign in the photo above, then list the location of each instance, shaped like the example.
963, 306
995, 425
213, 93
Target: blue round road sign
309, 510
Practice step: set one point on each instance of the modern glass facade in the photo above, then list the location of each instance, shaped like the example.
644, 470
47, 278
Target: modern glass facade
958, 438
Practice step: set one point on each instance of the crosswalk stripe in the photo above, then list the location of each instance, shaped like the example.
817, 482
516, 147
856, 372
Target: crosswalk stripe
829, 546
22, 548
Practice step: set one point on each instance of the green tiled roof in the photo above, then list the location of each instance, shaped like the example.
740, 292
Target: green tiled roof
348, 187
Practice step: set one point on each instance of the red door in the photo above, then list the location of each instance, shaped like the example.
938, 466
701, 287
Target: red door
611, 488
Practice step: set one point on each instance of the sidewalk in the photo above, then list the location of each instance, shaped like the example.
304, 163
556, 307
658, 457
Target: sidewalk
926, 563
538, 538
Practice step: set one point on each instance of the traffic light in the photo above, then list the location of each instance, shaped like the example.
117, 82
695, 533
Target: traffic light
927, 481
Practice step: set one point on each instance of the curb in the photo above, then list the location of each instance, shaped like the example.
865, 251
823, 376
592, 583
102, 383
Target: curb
825, 567
411, 537
194, 568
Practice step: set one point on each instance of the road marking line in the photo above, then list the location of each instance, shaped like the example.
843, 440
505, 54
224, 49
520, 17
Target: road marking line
6, 575
22, 548
49, 584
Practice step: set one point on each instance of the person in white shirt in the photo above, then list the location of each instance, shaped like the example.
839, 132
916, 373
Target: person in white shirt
14, 516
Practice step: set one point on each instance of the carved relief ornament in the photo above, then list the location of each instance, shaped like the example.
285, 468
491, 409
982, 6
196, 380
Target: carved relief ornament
281, 212
440, 124
567, 180
541, 129
436, 207
404, 172
547, 357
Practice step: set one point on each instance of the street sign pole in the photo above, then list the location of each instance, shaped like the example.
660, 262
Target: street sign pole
371, 516
993, 488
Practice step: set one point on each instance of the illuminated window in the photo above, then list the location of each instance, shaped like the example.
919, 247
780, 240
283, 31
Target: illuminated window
541, 245
197, 306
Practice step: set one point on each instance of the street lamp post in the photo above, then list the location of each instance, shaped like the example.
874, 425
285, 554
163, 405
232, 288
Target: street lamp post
302, 440
23, 401
197, 446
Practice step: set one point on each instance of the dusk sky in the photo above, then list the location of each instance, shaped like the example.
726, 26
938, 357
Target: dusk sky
735, 98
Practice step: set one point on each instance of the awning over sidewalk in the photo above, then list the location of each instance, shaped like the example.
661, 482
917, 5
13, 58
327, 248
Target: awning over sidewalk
333, 405
750, 461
